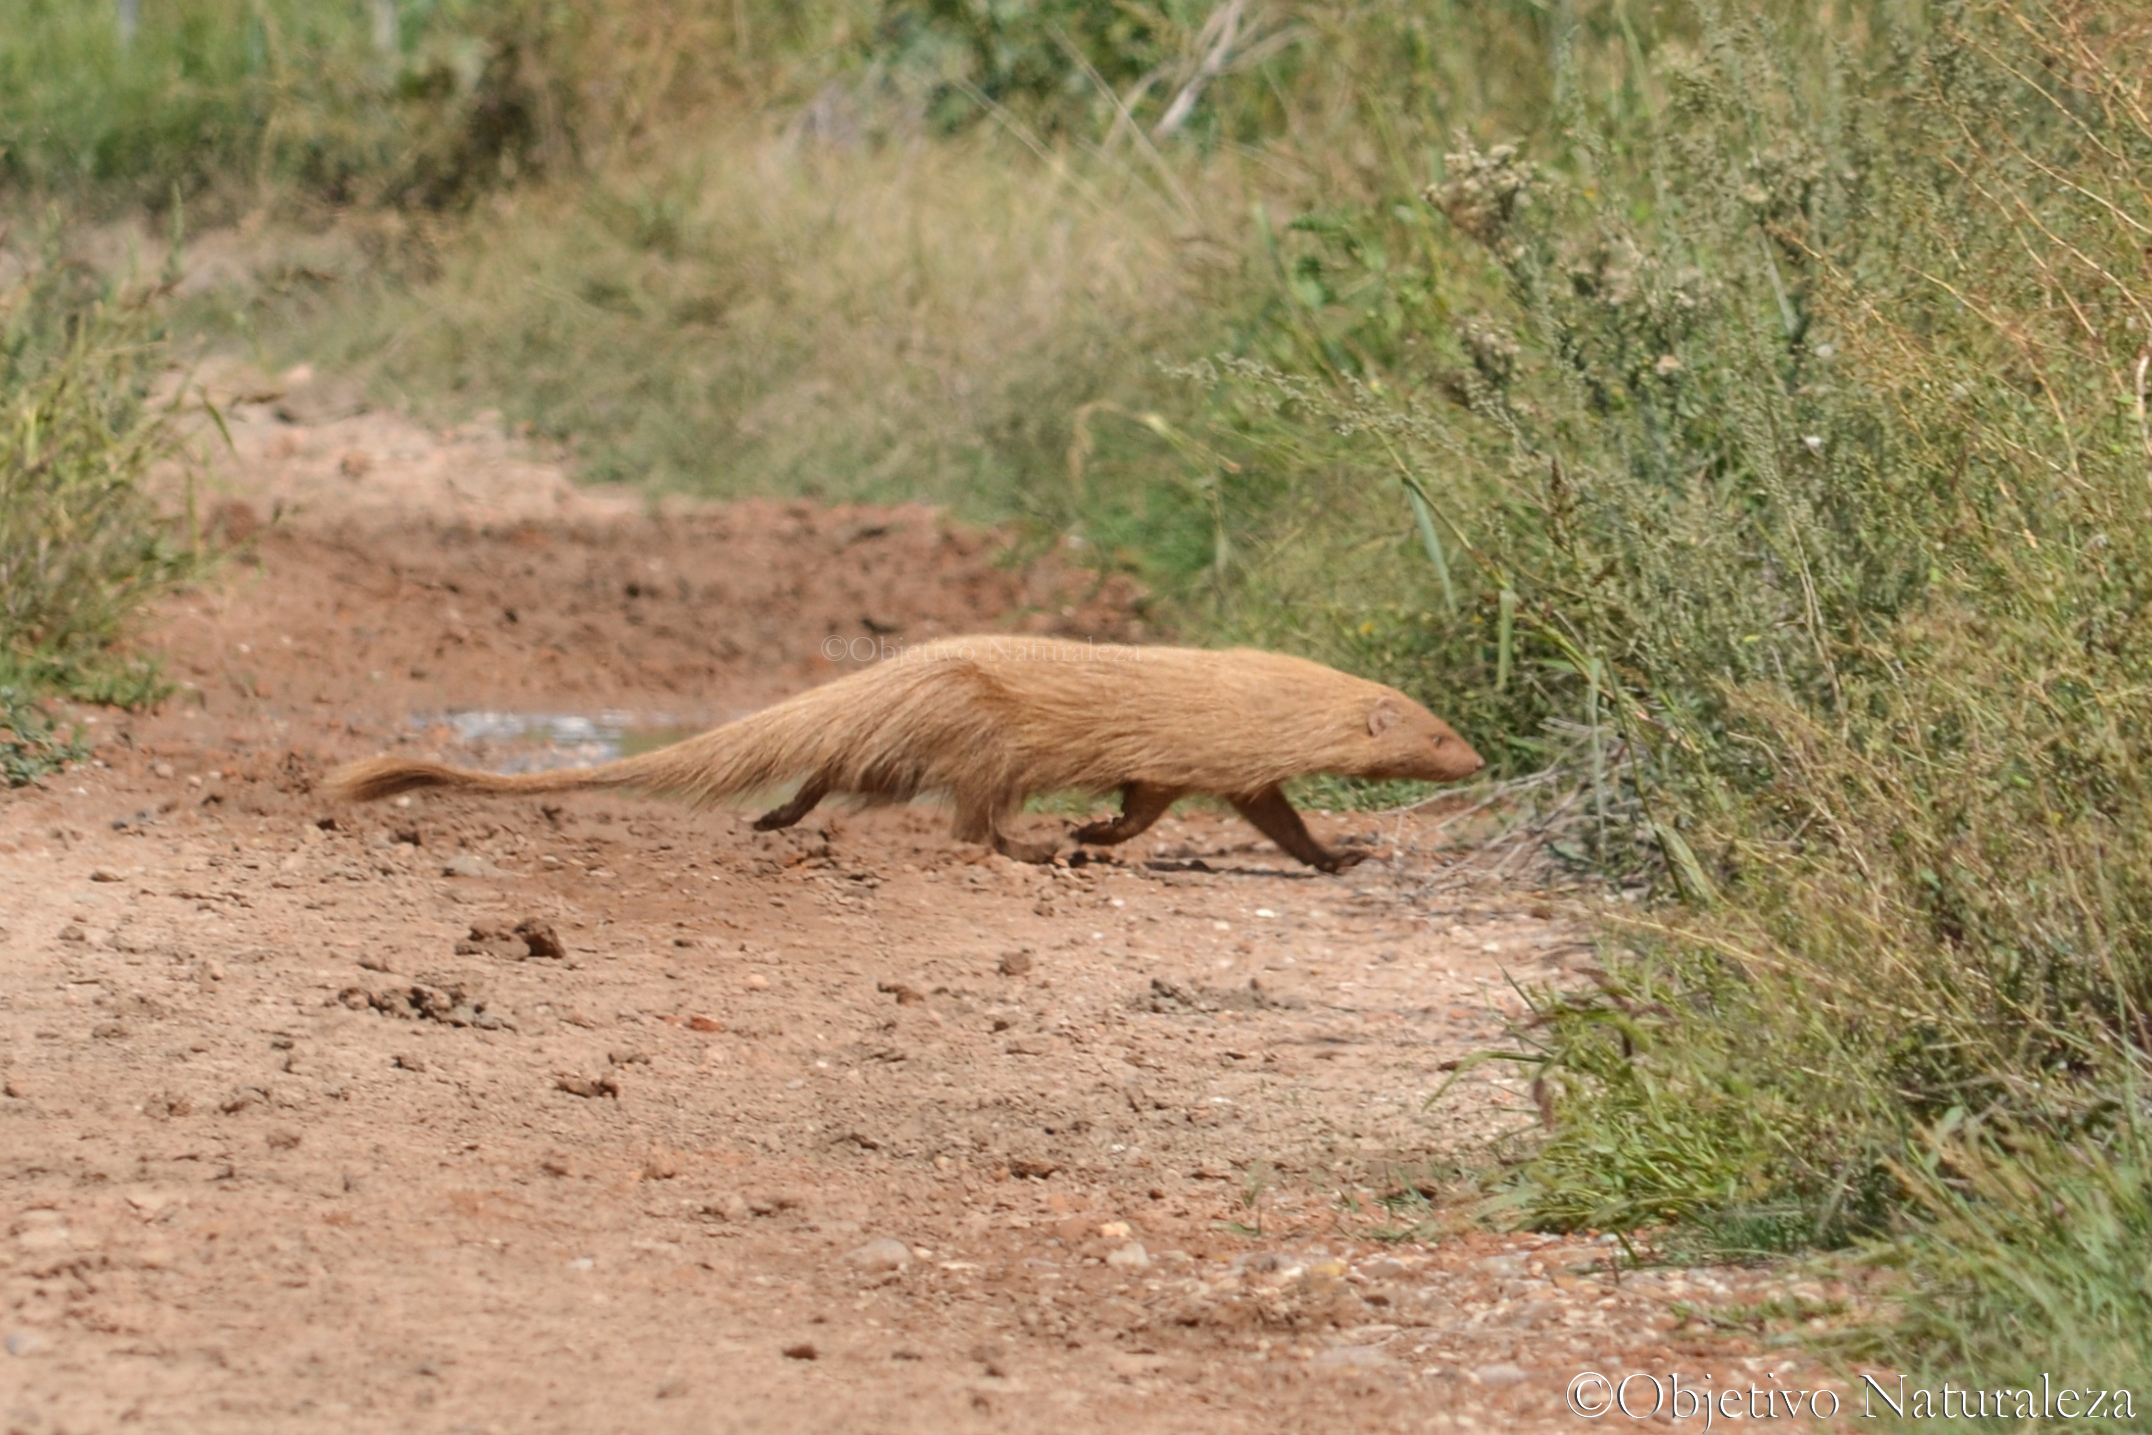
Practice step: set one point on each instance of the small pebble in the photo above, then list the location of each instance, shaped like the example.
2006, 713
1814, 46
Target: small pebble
1131, 1257
884, 1254
757, 983
803, 1351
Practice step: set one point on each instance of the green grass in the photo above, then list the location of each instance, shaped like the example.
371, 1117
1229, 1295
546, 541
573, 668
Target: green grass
82, 543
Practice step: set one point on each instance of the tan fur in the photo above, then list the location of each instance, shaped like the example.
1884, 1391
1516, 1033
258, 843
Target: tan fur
992, 720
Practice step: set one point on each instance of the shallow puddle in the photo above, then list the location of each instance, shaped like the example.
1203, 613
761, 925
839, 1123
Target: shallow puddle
535, 742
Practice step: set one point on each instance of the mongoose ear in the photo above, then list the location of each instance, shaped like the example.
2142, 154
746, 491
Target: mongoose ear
1382, 717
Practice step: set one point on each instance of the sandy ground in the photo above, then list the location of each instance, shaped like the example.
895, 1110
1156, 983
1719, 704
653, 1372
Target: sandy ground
847, 1128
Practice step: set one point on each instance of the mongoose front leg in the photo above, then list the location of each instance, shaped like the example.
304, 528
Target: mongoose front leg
980, 815
803, 802
1142, 803
1274, 817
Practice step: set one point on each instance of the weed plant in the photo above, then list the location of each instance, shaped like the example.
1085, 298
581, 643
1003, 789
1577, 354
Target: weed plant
82, 543
1799, 447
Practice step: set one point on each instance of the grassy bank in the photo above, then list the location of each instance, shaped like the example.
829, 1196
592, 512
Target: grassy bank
1747, 416
82, 546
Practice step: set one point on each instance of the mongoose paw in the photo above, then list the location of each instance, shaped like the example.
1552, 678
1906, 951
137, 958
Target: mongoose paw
1337, 862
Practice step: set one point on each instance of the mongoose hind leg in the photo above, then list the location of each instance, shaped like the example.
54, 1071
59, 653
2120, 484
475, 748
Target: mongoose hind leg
1142, 803
1274, 817
803, 802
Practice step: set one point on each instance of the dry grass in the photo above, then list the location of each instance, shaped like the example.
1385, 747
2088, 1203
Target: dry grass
768, 312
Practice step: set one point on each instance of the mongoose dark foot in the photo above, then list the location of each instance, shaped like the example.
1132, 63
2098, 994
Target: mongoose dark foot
802, 803
1336, 862
1142, 804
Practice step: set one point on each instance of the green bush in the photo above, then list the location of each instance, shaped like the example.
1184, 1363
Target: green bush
82, 543
1796, 418
247, 101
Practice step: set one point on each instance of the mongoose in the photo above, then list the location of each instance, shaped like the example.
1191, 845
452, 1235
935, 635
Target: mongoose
992, 720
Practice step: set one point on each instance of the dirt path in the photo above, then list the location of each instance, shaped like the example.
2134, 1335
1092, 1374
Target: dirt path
846, 1128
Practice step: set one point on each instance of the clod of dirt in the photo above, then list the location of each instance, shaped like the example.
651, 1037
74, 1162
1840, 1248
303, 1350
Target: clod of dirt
1015, 964
883, 1254
906, 996
431, 996
770, 1205
1168, 999
531, 937
588, 1085
704, 1023
232, 523
1029, 1168
731, 1206
540, 939
405, 1061
470, 864
803, 1351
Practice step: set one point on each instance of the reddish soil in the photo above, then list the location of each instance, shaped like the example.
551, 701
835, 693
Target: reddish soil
844, 1128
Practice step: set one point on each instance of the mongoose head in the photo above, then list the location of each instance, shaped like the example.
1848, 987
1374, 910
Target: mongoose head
1406, 740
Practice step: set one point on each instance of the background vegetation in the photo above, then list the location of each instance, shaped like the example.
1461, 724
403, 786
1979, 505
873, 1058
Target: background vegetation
82, 545
1741, 411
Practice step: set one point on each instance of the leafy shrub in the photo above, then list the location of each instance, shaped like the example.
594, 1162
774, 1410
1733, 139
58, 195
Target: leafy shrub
251, 100
82, 544
1796, 418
